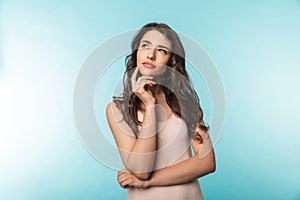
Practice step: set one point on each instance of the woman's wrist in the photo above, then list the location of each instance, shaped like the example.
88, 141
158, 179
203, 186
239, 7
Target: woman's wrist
150, 105
146, 184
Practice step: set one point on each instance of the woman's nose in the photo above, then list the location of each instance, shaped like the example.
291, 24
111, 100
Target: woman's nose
151, 54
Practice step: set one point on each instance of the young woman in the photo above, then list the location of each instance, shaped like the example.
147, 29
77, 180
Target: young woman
157, 119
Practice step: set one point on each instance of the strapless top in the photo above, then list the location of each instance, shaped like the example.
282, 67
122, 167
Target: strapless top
173, 147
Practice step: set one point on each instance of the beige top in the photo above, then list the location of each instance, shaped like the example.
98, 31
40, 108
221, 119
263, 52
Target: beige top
173, 147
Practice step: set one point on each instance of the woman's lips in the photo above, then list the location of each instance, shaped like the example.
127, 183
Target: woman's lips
148, 65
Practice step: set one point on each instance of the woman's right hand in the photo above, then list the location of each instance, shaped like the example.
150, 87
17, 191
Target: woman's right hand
127, 180
138, 88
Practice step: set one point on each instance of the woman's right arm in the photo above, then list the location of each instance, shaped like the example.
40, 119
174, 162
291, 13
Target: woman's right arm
138, 154
201, 164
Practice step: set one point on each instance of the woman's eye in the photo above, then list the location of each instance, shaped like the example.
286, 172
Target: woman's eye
163, 51
144, 45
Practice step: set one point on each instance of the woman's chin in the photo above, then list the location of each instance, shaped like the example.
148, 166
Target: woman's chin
150, 72
147, 72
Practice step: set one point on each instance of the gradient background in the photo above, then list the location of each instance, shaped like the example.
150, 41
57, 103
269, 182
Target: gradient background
254, 44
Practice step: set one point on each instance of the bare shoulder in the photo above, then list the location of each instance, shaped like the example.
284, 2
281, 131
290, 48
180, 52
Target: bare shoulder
111, 105
113, 112
116, 121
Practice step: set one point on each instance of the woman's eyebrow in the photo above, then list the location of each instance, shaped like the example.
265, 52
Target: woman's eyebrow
161, 46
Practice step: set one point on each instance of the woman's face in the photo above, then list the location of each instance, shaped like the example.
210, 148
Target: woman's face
153, 53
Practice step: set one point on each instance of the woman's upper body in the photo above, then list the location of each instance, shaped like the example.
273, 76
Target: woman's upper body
173, 146
156, 59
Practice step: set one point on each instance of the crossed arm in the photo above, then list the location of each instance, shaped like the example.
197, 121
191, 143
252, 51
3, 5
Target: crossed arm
187, 170
134, 150
201, 164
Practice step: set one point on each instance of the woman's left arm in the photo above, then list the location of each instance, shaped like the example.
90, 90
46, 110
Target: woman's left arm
201, 164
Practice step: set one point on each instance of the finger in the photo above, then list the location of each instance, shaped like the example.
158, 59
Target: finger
126, 186
139, 89
123, 174
123, 185
133, 77
150, 83
122, 177
142, 79
127, 182
122, 171
146, 77
142, 84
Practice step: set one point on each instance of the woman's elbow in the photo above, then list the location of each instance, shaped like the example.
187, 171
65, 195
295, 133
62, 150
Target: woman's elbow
212, 167
212, 162
141, 171
143, 176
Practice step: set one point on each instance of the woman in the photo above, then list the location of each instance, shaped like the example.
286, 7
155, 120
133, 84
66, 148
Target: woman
157, 118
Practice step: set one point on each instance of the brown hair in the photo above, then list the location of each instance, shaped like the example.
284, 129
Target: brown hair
185, 104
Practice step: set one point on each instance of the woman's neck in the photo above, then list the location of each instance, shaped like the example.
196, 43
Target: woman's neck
157, 92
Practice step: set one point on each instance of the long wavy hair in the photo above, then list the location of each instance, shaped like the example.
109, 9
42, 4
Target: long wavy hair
185, 103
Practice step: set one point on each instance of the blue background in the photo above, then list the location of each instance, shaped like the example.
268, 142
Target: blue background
254, 44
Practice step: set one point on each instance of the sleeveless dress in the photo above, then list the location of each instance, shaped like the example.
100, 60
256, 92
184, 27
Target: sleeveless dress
173, 147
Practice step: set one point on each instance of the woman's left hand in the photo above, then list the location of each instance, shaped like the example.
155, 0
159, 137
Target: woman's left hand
127, 179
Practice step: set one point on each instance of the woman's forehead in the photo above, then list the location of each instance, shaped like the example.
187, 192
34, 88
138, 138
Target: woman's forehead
156, 38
